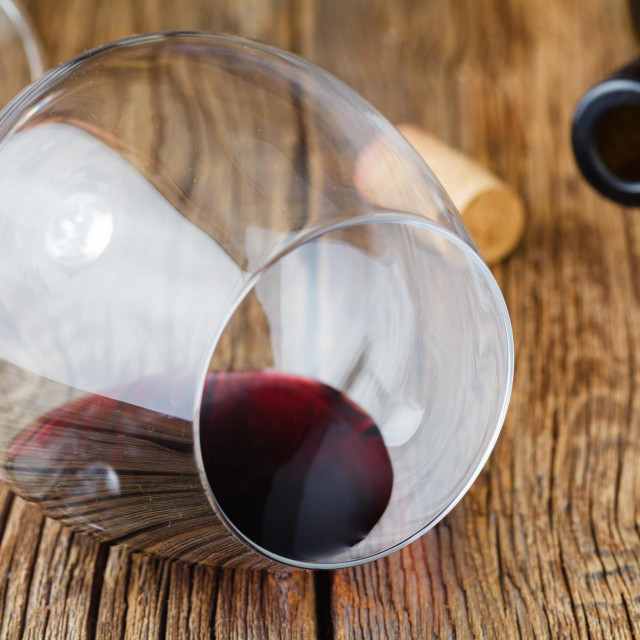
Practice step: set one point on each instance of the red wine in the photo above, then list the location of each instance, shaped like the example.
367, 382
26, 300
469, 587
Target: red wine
297, 468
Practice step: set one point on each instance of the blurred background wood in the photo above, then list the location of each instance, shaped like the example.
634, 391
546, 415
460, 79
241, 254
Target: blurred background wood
546, 543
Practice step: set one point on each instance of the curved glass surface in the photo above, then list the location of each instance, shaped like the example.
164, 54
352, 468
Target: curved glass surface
185, 214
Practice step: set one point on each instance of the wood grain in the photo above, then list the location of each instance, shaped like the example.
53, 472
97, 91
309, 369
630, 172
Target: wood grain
134, 596
546, 543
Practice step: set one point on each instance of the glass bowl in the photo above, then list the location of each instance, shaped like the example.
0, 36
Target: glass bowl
219, 341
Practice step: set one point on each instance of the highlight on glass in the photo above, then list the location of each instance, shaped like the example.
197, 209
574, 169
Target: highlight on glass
219, 341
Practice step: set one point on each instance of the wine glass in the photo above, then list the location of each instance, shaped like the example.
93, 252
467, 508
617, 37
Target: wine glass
214, 345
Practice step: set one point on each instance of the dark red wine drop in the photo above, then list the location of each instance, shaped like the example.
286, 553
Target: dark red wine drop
295, 466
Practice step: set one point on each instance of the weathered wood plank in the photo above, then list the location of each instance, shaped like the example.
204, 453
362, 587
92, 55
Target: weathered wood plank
65, 579
112, 606
147, 598
546, 542
133, 596
265, 604
17, 556
192, 599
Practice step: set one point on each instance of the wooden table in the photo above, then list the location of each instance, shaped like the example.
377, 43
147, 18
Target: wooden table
547, 542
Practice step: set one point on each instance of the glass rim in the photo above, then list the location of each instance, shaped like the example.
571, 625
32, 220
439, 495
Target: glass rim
491, 435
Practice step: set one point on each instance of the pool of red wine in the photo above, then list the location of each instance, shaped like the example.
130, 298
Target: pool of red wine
295, 466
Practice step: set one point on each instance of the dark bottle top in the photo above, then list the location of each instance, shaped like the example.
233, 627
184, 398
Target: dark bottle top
606, 135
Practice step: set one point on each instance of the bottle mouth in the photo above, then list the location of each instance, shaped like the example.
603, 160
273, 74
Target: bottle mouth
403, 319
606, 139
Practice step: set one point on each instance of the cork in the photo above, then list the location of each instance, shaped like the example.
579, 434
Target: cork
492, 210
